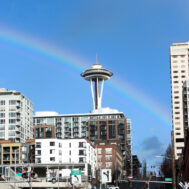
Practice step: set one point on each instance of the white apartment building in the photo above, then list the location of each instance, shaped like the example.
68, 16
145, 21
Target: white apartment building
179, 60
66, 151
16, 116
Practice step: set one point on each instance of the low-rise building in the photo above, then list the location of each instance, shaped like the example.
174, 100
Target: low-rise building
109, 156
66, 151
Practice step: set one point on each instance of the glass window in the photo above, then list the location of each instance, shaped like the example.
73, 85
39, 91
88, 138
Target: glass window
2, 115
112, 132
48, 131
11, 127
2, 102
2, 121
2, 134
12, 114
108, 158
38, 144
52, 158
60, 145
12, 120
108, 150
99, 150
11, 133
2, 127
52, 143
52, 151
12, 102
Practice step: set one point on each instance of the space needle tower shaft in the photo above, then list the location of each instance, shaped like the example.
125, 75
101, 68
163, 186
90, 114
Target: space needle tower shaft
97, 75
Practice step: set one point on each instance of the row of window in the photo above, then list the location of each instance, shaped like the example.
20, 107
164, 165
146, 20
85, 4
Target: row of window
2, 121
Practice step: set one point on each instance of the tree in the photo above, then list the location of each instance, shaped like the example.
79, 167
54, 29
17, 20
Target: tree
166, 165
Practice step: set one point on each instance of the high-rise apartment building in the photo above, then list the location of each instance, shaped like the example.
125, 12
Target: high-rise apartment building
16, 116
179, 60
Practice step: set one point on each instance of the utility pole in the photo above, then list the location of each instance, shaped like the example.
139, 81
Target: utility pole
173, 161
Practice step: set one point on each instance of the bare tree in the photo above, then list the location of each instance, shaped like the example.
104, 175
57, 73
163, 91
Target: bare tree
166, 165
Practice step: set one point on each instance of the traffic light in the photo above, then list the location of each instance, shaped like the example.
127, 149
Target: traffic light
33, 175
25, 175
129, 182
147, 185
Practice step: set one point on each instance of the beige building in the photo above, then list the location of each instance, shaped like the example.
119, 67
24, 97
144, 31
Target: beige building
16, 116
179, 60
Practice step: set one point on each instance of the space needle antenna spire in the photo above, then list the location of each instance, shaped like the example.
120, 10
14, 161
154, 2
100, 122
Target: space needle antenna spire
96, 75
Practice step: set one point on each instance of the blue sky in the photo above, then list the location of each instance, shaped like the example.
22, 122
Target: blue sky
45, 46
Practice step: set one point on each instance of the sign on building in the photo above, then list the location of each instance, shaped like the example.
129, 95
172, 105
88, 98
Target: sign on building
106, 176
76, 176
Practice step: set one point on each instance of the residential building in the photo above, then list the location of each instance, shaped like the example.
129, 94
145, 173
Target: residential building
104, 124
109, 157
10, 152
16, 116
66, 151
179, 74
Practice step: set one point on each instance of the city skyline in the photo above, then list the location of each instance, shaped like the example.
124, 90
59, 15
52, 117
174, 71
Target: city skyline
45, 48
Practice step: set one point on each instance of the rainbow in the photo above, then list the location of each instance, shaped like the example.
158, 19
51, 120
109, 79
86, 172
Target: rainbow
50, 54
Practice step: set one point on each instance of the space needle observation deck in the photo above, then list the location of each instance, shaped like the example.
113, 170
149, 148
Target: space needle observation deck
97, 75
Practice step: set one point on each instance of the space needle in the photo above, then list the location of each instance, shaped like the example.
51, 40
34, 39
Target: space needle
96, 75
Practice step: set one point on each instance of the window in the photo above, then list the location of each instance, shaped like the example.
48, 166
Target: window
60, 145
80, 144
52, 151
179, 140
2, 115
183, 76
60, 152
2, 121
48, 131
108, 150
52, 158
176, 97
11, 133
177, 133
39, 152
183, 71
52, 143
177, 117
176, 107
176, 102
175, 76
70, 152
81, 160
99, 150
99, 158
12, 102
177, 112
2, 134
81, 152
112, 132
38, 160
108, 158
176, 92
2, 102
175, 71
12, 114
2, 127
38, 144
70, 145
12, 120
175, 81
108, 164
